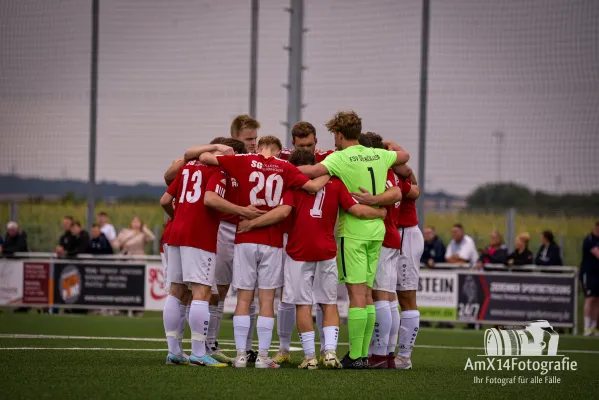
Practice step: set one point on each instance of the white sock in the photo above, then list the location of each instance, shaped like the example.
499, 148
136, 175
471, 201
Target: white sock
331, 336
410, 322
285, 323
241, 327
593, 324
307, 340
211, 340
199, 317
171, 320
394, 333
587, 322
382, 328
321, 335
265, 326
181, 324
219, 317
187, 311
253, 317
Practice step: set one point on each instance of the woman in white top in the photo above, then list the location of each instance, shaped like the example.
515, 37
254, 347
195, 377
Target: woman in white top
132, 240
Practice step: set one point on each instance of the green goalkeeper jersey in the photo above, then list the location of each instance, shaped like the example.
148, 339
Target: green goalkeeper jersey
359, 166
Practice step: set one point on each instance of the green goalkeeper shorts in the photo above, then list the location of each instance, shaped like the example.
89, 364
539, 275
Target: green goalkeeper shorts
357, 260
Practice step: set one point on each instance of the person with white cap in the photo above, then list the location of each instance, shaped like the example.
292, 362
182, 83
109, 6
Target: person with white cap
15, 240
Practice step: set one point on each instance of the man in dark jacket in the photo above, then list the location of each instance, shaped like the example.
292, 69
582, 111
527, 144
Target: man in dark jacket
15, 240
80, 240
549, 252
434, 249
98, 244
65, 242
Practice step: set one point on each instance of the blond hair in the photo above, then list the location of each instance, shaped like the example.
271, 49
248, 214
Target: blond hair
242, 122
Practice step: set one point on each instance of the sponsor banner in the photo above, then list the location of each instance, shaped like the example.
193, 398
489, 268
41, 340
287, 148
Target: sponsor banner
155, 287
36, 283
11, 281
99, 284
516, 297
437, 295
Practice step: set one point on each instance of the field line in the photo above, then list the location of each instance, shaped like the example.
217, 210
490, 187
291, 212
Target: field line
231, 342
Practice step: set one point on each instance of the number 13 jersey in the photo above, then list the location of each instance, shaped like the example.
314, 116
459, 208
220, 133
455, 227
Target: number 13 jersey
312, 234
196, 225
262, 182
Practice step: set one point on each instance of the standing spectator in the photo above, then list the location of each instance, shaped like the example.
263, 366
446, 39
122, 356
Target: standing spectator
106, 227
495, 252
79, 240
521, 255
98, 244
434, 249
65, 242
589, 277
133, 240
15, 240
549, 252
461, 249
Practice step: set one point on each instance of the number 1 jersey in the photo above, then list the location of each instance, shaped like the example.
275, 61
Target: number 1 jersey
312, 234
196, 225
262, 182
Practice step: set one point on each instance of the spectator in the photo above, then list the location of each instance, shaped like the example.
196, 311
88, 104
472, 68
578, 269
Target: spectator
589, 277
461, 249
521, 255
98, 244
133, 240
79, 240
106, 227
495, 252
65, 242
15, 240
434, 249
549, 252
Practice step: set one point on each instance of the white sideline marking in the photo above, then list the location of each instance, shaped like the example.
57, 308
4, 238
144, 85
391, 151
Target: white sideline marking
225, 342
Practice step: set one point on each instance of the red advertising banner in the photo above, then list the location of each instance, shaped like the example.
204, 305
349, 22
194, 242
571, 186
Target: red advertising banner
36, 283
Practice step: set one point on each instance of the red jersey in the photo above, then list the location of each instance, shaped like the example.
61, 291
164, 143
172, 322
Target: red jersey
319, 155
312, 236
287, 223
165, 234
195, 225
392, 239
262, 182
407, 208
231, 195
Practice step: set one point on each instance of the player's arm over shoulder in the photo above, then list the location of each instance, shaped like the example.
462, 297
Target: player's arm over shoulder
392, 158
350, 205
314, 171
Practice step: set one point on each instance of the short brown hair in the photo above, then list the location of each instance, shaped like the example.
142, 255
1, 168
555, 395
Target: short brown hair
376, 140
364, 140
346, 123
242, 122
76, 223
237, 145
269, 141
302, 157
303, 129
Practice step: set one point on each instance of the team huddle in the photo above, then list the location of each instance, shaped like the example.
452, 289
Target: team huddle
259, 217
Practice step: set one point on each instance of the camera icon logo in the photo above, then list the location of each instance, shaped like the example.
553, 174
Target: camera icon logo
535, 339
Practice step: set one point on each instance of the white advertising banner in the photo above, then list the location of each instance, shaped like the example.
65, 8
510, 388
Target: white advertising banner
11, 282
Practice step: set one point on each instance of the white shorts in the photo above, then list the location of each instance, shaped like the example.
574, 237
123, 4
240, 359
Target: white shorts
164, 258
257, 264
408, 269
190, 265
285, 237
308, 282
225, 245
386, 271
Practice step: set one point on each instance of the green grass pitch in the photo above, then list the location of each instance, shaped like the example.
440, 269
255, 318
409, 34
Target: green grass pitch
89, 365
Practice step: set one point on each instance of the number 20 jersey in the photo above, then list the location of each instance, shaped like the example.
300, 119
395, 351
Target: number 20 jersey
262, 182
312, 234
196, 225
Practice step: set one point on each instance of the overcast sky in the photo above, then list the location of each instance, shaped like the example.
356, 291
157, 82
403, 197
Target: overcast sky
173, 74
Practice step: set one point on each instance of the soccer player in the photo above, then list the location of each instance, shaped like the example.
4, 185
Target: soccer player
361, 169
262, 179
382, 346
589, 277
408, 275
191, 257
310, 265
303, 136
